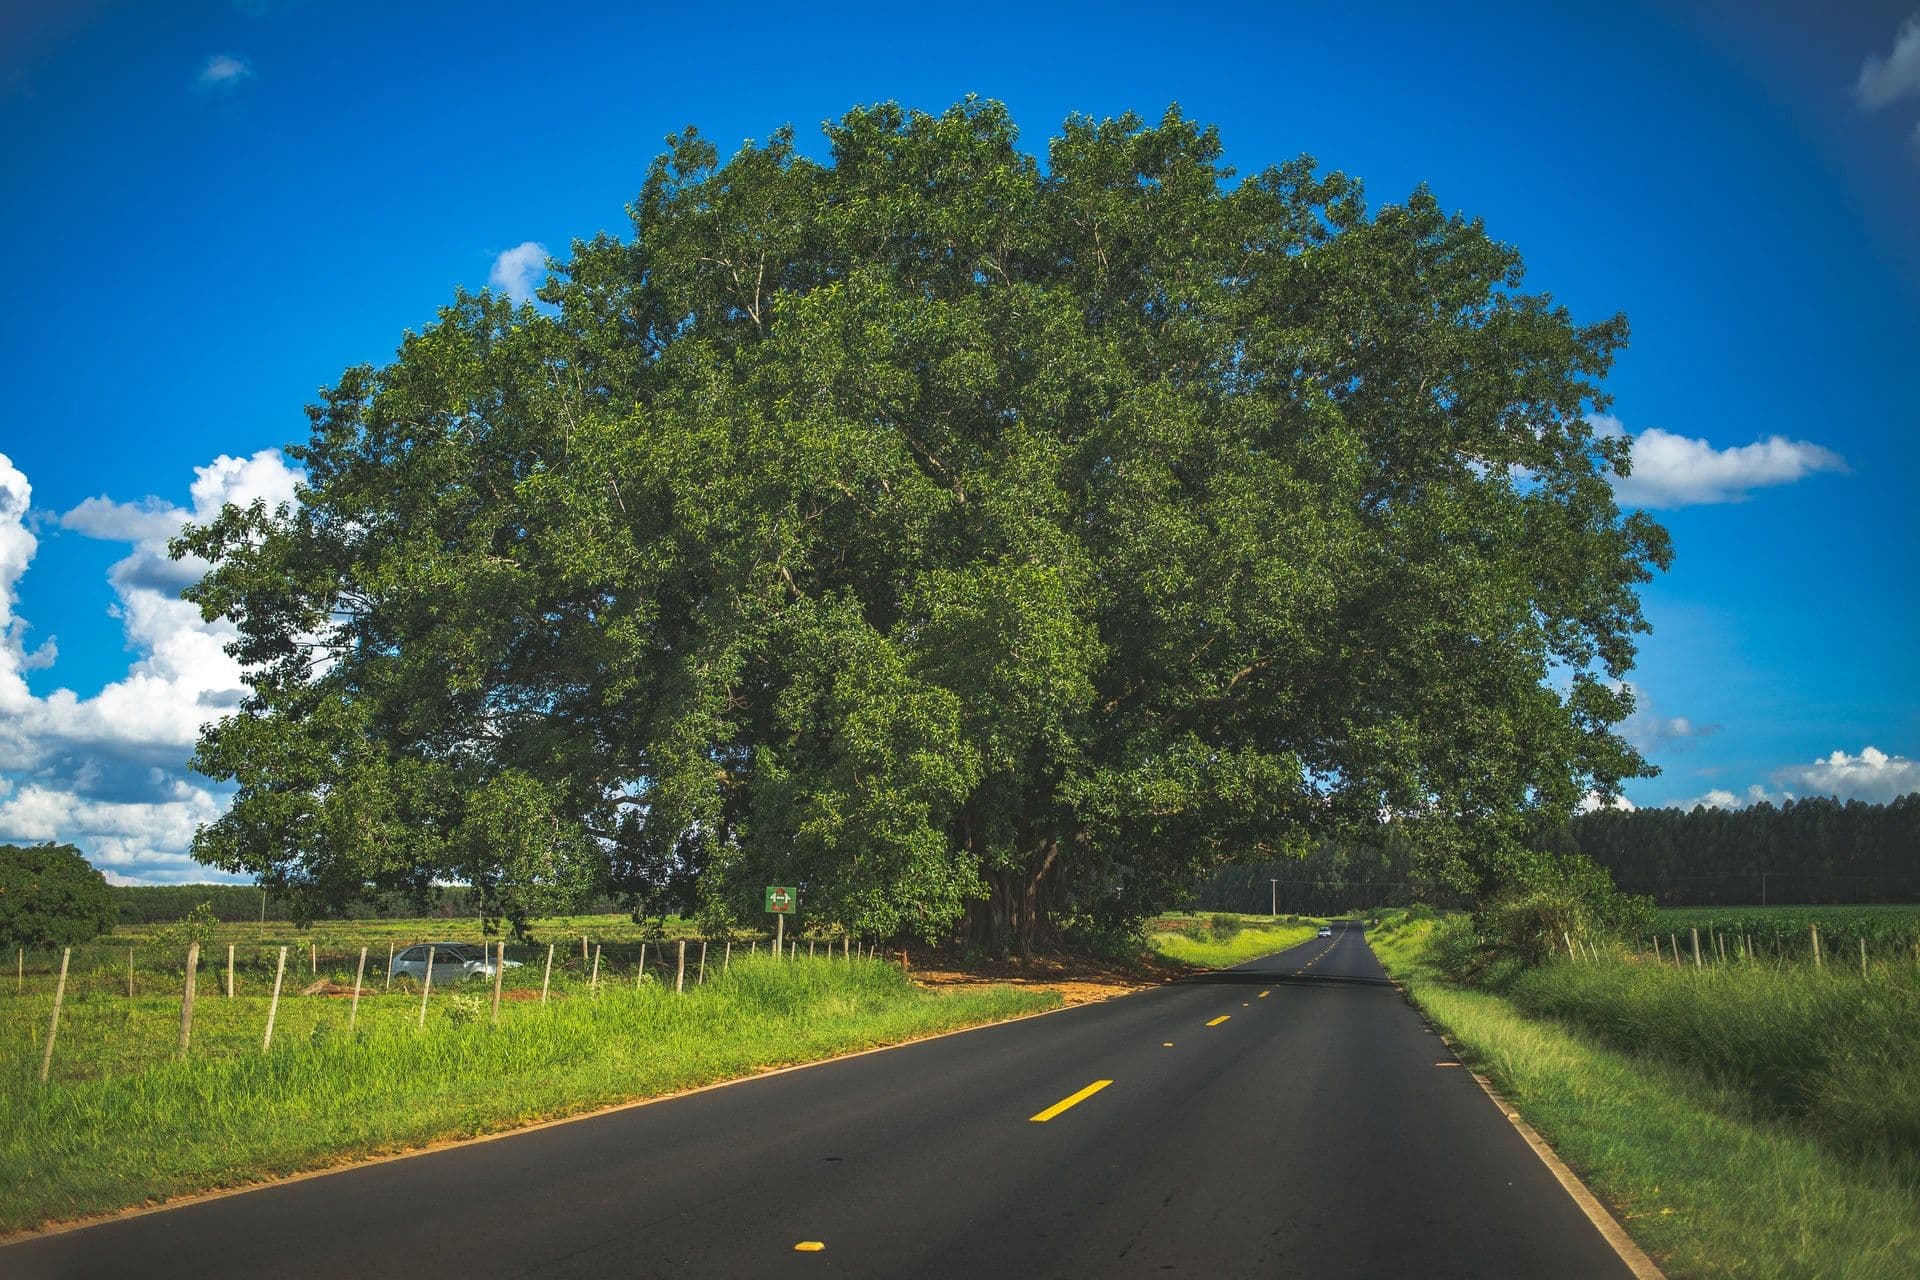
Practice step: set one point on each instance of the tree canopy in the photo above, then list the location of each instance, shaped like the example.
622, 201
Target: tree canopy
970, 543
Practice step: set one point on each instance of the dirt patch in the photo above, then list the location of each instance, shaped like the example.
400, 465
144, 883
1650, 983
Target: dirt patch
1079, 978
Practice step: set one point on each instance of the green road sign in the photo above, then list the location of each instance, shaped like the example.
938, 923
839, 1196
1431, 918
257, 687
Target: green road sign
781, 899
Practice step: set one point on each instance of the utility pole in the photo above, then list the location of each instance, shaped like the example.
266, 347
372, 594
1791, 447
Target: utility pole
1273, 897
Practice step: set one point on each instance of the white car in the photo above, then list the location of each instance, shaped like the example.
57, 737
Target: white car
452, 962
1326, 931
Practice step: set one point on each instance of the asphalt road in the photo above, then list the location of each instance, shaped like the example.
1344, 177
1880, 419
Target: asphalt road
1293, 1117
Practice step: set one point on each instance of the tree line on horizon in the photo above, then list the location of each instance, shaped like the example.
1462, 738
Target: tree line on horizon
1811, 851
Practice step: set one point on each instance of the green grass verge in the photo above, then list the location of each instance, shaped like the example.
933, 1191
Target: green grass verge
1698, 1175
103, 1139
1210, 951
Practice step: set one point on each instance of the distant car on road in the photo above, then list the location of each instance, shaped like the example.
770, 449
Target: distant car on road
1326, 931
452, 962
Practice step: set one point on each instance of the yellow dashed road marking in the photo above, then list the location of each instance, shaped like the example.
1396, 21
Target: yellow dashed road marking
809, 1246
1070, 1101
1222, 1018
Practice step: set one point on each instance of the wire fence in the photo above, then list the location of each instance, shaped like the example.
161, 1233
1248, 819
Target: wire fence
127, 1007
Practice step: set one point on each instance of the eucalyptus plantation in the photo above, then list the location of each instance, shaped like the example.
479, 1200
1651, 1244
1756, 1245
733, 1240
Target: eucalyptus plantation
979, 546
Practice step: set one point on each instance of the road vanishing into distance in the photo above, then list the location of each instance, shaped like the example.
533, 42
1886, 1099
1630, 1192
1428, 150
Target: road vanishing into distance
1292, 1117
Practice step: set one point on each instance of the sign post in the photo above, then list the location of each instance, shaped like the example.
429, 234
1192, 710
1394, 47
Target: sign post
781, 900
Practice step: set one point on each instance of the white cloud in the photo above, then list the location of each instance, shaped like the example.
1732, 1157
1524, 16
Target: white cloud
1671, 470
1592, 801
1720, 798
223, 71
1873, 775
1646, 731
518, 271
108, 772
1884, 81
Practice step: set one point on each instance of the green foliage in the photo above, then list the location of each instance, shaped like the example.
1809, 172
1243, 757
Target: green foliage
51, 896
199, 925
1548, 898
1223, 926
970, 544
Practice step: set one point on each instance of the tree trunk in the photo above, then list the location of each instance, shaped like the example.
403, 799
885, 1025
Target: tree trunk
1015, 913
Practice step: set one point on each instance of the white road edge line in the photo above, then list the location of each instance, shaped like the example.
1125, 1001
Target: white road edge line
1598, 1214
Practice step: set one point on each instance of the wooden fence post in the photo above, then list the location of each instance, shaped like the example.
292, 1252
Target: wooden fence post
53, 1027
1696, 947
810, 948
313, 959
593, 983
1863, 957
726, 958
846, 947
186, 998
387, 985
1816, 945
426, 986
680, 974
353, 1014
546, 981
499, 971
229, 971
640, 973
583, 951
273, 1007
700, 977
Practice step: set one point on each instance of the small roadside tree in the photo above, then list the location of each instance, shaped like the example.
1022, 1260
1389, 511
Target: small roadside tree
51, 896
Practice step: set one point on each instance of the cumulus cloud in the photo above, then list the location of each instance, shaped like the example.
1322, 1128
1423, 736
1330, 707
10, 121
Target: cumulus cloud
1671, 470
518, 271
1883, 81
1720, 798
108, 772
223, 71
1873, 775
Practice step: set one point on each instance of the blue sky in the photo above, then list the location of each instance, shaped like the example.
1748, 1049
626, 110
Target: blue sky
211, 209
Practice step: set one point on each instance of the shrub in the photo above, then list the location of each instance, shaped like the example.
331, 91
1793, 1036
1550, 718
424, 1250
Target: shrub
1224, 927
50, 896
1555, 896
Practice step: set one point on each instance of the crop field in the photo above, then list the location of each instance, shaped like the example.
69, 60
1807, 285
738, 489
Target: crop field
1891, 932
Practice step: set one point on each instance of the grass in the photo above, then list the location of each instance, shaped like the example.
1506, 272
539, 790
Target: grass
119, 1128
1221, 941
1702, 1169
1837, 1053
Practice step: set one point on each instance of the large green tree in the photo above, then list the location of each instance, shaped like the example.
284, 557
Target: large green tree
51, 896
970, 543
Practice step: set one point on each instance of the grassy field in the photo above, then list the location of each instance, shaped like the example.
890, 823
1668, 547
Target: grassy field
1746, 1121
1221, 940
121, 1123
